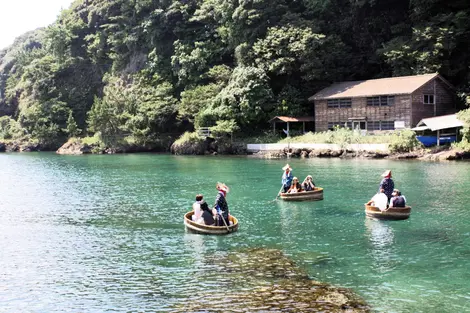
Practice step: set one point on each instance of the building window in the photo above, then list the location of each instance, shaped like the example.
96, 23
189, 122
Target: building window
332, 125
380, 125
428, 99
381, 101
373, 125
339, 103
387, 125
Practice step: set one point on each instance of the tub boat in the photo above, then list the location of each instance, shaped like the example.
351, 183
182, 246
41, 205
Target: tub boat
316, 194
390, 214
209, 230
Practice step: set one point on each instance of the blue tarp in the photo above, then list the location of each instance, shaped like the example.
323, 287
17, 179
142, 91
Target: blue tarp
429, 141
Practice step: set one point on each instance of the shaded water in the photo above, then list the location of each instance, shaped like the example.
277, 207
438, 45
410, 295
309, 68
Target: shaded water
105, 233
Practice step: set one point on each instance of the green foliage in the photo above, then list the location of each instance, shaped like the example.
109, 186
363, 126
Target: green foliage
246, 99
224, 128
464, 116
10, 129
72, 128
404, 141
399, 140
135, 108
288, 50
196, 99
189, 137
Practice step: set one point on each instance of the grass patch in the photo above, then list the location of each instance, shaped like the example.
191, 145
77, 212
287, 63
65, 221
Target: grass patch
268, 137
189, 138
399, 140
463, 145
91, 141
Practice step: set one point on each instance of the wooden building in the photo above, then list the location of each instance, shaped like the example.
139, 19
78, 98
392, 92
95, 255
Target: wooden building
383, 104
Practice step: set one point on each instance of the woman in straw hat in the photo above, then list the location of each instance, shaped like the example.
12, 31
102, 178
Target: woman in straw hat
221, 206
387, 184
287, 177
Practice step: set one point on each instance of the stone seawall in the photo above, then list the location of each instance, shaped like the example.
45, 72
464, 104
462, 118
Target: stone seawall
254, 148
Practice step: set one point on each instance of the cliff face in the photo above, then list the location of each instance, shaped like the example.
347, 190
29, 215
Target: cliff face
141, 71
9, 59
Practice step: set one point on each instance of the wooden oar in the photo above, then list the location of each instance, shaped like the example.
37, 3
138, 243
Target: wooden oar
223, 219
282, 187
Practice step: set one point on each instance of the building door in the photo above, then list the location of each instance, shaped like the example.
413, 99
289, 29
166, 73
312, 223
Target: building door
359, 125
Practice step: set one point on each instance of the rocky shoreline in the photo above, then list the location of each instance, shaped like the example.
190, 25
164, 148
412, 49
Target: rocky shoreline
442, 154
211, 146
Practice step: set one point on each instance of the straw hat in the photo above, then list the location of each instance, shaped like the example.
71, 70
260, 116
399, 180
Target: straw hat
287, 166
387, 173
223, 187
309, 176
396, 192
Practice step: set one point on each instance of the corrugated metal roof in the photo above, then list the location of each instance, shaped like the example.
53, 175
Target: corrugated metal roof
418, 128
440, 122
293, 119
375, 87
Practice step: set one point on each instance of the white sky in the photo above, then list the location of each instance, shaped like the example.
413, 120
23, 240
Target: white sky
19, 16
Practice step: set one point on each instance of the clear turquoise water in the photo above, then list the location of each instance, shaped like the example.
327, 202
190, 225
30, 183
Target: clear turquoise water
105, 233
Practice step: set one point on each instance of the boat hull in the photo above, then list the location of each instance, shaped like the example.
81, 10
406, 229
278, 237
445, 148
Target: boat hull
209, 230
313, 195
390, 214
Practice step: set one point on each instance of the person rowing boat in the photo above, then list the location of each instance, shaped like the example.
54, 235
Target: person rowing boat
286, 178
221, 207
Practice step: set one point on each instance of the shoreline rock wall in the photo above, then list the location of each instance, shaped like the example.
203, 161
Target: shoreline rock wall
320, 153
438, 154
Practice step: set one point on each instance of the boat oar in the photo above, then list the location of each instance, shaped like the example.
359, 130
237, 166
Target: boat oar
282, 187
223, 219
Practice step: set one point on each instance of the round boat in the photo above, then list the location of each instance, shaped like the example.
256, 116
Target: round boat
316, 194
390, 214
210, 230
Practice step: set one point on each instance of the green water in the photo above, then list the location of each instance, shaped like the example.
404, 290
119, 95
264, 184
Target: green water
105, 233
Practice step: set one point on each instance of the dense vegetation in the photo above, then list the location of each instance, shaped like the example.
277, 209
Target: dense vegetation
140, 71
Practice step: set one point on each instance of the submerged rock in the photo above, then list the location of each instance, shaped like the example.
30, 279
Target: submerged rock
265, 280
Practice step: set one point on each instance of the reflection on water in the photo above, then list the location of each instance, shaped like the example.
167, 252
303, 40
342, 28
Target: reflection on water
381, 249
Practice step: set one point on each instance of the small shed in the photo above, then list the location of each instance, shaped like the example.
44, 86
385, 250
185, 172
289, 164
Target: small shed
445, 126
289, 119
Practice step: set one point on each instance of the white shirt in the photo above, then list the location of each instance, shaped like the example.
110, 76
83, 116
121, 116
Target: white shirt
197, 211
380, 200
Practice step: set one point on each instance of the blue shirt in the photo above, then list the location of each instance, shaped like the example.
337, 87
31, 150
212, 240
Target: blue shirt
287, 179
387, 185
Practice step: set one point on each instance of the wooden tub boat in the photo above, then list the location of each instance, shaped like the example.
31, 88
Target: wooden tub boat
316, 194
210, 230
390, 214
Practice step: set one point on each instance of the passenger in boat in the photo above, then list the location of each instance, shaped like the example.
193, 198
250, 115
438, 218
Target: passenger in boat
379, 200
197, 208
308, 184
387, 184
295, 187
286, 178
221, 207
397, 200
207, 217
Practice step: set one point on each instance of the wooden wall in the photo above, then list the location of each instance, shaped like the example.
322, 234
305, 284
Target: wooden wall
444, 98
400, 111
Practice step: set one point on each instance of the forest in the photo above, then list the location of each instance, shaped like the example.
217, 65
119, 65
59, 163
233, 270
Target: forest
143, 72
